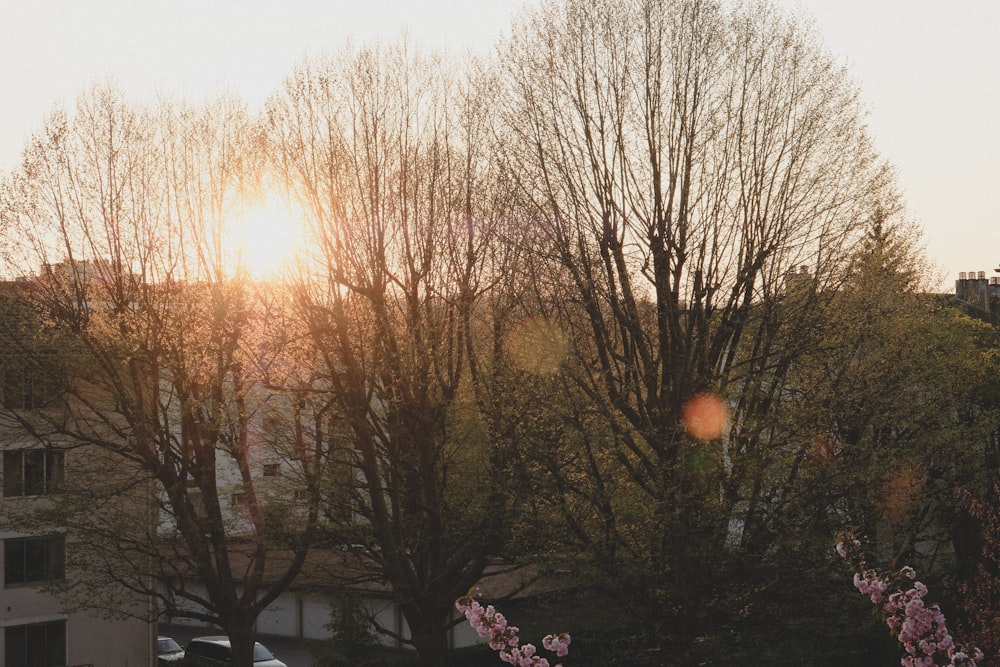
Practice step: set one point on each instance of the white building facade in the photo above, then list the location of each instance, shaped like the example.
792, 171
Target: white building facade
36, 628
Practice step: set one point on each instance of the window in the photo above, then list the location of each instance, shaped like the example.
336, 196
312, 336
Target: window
209, 649
238, 499
31, 383
274, 428
32, 472
197, 501
286, 431
271, 469
28, 560
35, 645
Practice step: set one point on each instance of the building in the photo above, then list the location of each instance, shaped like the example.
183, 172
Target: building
977, 291
37, 627
259, 442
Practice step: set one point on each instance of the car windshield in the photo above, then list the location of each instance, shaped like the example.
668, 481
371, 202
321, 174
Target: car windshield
261, 653
167, 645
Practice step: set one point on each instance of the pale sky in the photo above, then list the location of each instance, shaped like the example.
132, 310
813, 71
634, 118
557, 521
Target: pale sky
929, 72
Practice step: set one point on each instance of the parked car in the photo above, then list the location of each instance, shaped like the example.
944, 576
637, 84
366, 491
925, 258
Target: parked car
215, 651
168, 651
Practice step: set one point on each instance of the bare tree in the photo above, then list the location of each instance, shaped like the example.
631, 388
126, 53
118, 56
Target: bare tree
123, 212
388, 153
699, 173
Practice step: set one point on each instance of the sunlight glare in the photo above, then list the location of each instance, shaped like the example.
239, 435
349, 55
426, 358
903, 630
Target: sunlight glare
267, 240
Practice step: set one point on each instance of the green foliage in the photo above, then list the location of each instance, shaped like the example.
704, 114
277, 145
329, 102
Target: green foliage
524, 280
351, 625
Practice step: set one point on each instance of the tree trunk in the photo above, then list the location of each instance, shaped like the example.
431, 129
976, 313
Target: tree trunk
429, 635
241, 640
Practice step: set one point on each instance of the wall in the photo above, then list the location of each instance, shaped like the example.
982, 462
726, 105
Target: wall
90, 639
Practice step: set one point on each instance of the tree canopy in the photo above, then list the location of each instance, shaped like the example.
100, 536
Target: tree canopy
636, 303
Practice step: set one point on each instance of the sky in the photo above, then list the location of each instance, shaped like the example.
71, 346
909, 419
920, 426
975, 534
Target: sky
929, 72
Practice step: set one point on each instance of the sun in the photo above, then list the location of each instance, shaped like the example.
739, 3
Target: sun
267, 239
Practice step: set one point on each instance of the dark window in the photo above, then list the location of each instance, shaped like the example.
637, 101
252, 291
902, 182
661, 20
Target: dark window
271, 469
33, 559
32, 472
197, 501
274, 428
35, 645
31, 382
286, 429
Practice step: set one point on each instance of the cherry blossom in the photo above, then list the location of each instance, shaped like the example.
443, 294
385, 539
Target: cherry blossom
919, 627
502, 637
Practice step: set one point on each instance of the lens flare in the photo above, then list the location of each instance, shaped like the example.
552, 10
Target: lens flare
538, 346
823, 448
705, 417
903, 491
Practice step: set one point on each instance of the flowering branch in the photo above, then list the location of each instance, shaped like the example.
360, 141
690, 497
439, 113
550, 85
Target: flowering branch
502, 637
919, 627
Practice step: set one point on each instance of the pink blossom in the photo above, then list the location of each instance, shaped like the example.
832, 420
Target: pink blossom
920, 628
557, 644
502, 637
